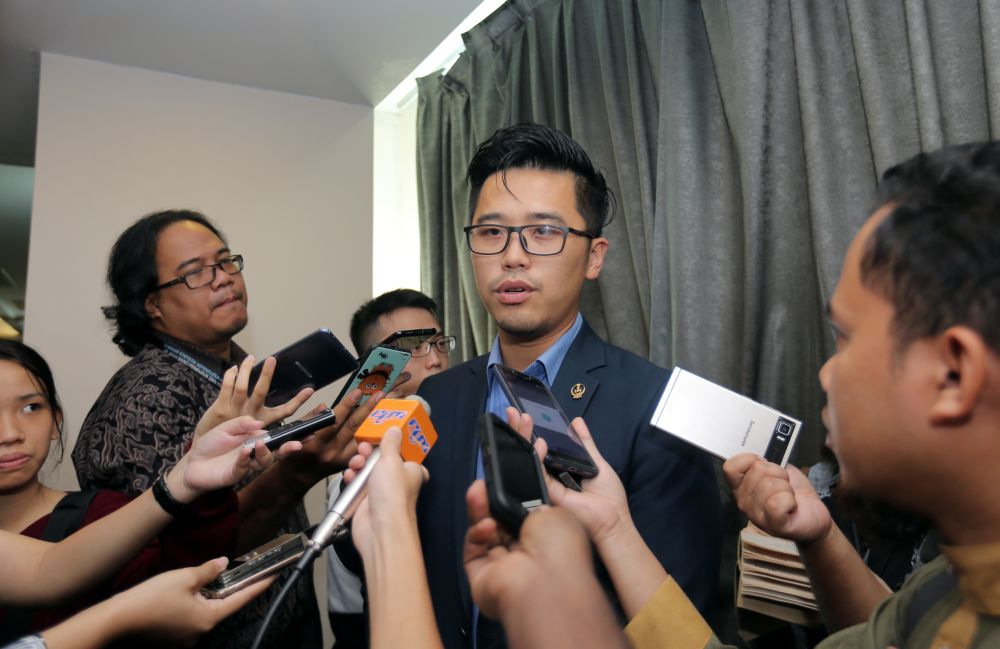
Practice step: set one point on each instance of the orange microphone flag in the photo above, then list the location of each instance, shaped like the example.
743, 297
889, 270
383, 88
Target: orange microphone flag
409, 415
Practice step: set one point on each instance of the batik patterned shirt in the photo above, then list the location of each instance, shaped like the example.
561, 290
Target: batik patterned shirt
140, 426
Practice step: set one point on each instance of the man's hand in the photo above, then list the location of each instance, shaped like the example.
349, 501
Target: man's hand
233, 400
218, 459
328, 450
781, 502
171, 607
552, 547
602, 506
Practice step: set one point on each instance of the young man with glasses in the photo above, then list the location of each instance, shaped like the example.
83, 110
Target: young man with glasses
401, 310
374, 321
179, 300
538, 209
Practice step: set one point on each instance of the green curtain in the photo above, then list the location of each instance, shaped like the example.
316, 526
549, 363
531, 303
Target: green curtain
743, 139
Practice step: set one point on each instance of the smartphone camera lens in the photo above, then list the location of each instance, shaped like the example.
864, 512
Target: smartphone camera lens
784, 428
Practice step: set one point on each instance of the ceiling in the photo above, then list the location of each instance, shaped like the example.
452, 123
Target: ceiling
355, 51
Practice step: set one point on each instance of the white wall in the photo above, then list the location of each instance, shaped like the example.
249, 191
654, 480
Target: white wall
396, 250
288, 178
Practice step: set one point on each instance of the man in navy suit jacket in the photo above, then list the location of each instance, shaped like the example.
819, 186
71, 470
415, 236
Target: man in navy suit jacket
539, 207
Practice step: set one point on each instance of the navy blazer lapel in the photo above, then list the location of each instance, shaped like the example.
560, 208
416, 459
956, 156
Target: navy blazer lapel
585, 355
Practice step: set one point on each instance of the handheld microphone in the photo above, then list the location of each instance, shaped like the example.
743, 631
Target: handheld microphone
411, 415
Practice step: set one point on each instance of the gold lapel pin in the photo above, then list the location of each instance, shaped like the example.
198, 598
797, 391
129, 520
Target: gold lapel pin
577, 390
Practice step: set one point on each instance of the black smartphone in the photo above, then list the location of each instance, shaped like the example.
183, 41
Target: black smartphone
515, 485
379, 370
407, 339
315, 362
296, 430
529, 395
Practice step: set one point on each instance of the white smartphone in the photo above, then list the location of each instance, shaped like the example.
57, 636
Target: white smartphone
723, 422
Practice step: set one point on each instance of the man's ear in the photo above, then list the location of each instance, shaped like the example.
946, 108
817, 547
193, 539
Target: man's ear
152, 306
963, 358
595, 260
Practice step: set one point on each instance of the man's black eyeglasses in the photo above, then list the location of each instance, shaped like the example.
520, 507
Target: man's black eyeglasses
205, 275
443, 344
541, 240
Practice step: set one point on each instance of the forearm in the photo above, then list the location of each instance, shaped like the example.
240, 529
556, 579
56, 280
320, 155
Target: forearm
94, 627
635, 571
569, 612
266, 502
397, 581
846, 589
58, 570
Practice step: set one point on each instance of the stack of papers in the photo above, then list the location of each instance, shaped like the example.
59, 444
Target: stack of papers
773, 579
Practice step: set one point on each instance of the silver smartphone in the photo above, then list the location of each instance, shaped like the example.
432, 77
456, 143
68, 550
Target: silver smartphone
723, 422
256, 564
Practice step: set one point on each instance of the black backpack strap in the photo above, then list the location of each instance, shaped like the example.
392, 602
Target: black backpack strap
68, 515
66, 518
924, 600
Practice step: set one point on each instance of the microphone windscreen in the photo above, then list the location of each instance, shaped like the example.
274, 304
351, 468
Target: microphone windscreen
419, 399
410, 416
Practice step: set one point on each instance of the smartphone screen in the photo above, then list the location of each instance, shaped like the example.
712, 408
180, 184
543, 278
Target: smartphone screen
531, 396
378, 372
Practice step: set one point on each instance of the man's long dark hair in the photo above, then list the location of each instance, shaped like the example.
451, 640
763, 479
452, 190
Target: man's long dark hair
132, 276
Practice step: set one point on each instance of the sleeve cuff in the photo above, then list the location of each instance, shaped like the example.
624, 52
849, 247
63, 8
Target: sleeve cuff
668, 617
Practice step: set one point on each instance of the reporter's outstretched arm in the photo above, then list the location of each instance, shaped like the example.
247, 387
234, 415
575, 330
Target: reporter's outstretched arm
168, 607
385, 532
38, 573
266, 502
602, 507
783, 503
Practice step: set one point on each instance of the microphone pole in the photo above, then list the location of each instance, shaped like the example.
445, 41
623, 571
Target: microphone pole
340, 512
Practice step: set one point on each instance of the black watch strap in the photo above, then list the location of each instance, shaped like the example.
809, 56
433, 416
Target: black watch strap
166, 499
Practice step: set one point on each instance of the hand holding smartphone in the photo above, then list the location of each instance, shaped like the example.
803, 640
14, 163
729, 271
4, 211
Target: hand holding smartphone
529, 395
314, 361
515, 485
378, 371
256, 565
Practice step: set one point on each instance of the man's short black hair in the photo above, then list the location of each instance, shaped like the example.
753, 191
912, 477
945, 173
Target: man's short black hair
132, 276
536, 146
936, 256
364, 319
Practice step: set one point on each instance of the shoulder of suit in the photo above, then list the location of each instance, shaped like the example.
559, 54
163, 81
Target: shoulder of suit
618, 357
458, 373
